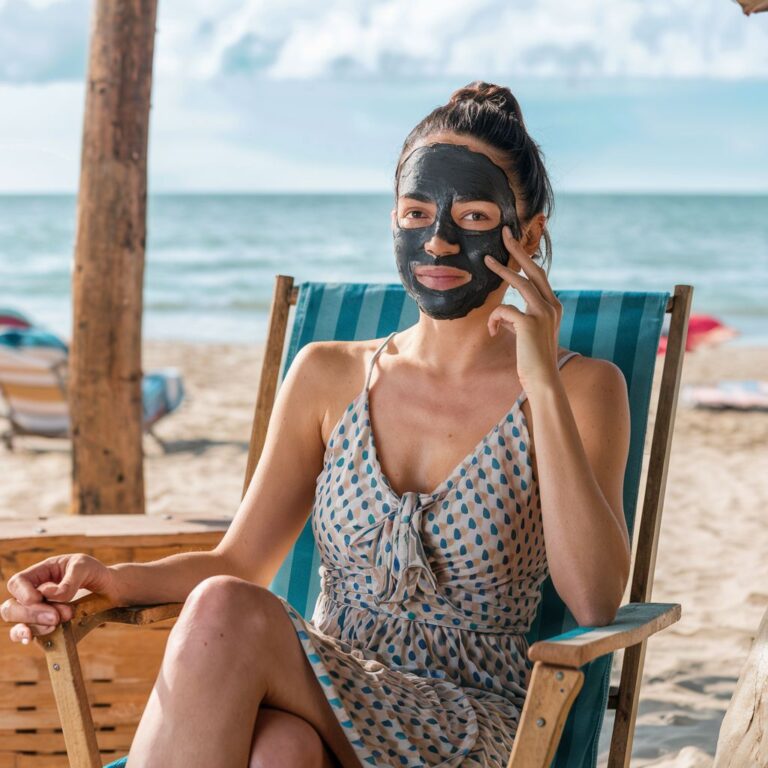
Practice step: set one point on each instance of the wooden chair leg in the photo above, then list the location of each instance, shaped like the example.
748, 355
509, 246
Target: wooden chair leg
71, 697
158, 440
551, 693
626, 706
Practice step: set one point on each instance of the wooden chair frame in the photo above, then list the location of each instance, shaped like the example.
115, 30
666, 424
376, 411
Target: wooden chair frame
556, 678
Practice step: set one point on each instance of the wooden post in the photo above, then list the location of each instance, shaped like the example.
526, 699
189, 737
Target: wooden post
105, 370
743, 736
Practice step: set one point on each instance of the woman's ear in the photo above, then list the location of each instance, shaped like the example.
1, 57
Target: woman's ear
533, 230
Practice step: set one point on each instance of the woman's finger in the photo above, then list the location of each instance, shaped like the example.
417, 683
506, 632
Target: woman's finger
39, 613
504, 313
23, 633
524, 286
20, 633
24, 585
535, 273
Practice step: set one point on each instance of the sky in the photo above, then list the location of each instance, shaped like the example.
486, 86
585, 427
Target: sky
296, 95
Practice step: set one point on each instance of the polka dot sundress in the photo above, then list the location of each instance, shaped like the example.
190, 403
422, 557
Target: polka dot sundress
417, 637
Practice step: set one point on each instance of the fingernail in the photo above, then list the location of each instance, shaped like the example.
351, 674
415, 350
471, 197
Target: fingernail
25, 640
487, 258
49, 618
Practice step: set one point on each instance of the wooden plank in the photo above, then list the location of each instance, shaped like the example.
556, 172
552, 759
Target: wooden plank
551, 693
122, 713
270, 371
42, 761
110, 652
131, 528
650, 522
634, 623
111, 738
16, 696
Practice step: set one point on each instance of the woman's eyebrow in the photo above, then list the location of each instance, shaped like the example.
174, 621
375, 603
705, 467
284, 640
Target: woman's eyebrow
473, 197
417, 196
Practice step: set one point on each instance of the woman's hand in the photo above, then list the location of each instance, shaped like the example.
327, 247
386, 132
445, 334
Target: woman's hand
40, 593
537, 329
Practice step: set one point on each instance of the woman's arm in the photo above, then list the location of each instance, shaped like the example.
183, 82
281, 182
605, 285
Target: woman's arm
581, 446
274, 508
582, 442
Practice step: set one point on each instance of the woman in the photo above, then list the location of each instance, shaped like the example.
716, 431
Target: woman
416, 654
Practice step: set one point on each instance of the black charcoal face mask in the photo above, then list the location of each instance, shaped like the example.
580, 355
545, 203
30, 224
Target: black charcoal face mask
444, 174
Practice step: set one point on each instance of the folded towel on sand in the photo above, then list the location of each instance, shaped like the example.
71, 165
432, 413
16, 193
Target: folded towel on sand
744, 395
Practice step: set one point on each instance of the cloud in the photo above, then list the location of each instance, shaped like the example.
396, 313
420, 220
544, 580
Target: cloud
502, 39
429, 38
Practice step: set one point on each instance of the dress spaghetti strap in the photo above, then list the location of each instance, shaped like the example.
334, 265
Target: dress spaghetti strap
375, 356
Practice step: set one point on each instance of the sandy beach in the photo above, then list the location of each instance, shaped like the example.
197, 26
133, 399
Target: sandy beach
713, 539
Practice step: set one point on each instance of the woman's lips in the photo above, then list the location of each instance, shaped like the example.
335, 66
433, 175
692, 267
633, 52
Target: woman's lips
441, 277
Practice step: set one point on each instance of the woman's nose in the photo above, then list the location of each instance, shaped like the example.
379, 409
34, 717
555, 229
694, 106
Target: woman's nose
439, 246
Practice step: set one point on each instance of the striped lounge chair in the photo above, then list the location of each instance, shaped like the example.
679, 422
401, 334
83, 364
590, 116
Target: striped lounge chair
33, 385
569, 689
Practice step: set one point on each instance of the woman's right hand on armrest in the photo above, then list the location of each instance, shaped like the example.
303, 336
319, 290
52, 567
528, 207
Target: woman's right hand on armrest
40, 594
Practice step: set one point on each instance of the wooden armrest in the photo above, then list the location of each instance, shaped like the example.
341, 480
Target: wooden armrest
94, 610
634, 623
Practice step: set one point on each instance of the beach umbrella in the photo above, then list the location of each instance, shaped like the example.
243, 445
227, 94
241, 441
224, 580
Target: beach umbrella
753, 6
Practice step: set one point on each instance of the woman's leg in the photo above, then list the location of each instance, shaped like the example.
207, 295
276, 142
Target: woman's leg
232, 650
283, 739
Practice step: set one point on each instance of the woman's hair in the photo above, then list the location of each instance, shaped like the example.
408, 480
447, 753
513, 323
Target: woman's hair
491, 113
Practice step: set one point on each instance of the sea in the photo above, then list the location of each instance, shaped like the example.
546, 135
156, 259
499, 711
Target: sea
211, 259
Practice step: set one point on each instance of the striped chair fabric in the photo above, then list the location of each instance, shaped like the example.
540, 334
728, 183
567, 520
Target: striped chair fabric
623, 327
33, 389
33, 384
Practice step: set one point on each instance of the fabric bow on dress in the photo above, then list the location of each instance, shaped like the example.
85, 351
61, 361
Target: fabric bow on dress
400, 565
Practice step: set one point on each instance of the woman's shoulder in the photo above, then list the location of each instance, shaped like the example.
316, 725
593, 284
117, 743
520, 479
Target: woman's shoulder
339, 363
590, 378
335, 352
337, 370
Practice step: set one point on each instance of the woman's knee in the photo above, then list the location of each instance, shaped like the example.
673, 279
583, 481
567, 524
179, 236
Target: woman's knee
284, 739
221, 610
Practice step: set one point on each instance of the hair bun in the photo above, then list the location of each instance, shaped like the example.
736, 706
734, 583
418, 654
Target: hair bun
480, 92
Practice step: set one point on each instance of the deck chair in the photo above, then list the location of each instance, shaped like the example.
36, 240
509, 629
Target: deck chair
33, 385
569, 687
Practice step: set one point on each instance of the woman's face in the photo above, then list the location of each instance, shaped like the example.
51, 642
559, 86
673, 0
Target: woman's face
453, 200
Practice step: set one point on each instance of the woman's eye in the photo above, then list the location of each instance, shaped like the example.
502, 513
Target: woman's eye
476, 213
420, 214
